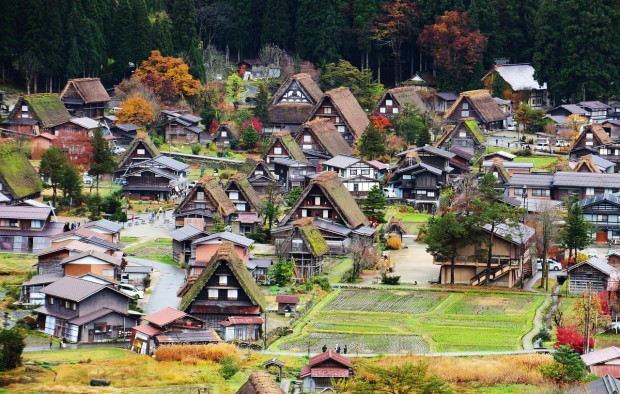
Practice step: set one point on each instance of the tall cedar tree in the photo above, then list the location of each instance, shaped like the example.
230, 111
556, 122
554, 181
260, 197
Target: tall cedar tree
319, 25
364, 14
142, 35
276, 23
71, 184
122, 50
575, 234
374, 204
261, 110
53, 164
371, 144
568, 367
184, 34
444, 236
102, 162
343, 73
162, 33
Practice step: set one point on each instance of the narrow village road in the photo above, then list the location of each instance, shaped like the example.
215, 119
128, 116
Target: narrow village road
168, 282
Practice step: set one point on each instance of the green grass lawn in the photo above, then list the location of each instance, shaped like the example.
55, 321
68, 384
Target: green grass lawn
338, 269
67, 355
552, 284
413, 217
540, 162
158, 250
417, 321
17, 262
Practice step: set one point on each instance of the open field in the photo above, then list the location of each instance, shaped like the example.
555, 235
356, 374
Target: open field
540, 162
416, 321
158, 250
17, 262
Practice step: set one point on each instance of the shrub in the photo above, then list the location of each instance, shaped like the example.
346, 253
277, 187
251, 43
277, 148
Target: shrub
158, 140
196, 149
213, 352
524, 153
571, 337
389, 279
229, 367
568, 367
12, 343
257, 237
402, 209
394, 242
543, 335
322, 282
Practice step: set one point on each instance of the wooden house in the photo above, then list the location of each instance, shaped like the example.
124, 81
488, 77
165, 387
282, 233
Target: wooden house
100, 264
499, 170
302, 242
357, 175
477, 105
603, 211
591, 140
204, 201
290, 173
227, 135
596, 111
109, 230
323, 369
394, 101
395, 228
26, 229
203, 249
444, 101
182, 239
592, 274
509, 254
261, 178
327, 198
85, 97
248, 203
511, 167
260, 382
225, 297
184, 129
283, 146
320, 141
18, 178
170, 326
83, 311
259, 269
603, 362
292, 103
561, 113
340, 106
160, 179
140, 149
121, 134
461, 161
31, 289
594, 164
49, 259
287, 304
518, 84
37, 113
465, 135
41, 143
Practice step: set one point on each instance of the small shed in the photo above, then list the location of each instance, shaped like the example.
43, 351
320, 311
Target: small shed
593, 273
287, 304
260, 382
41, 143
395, 226
322, 369
603, 361
135, 274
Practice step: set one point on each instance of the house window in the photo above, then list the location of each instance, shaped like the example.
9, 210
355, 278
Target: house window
35, 223
107, 272
589, 143
601, 218
589, 136
213, 294
603, 151
304, 213
327, 110
306, 147
297, 245
141, 151
13, 223
337, 119
24, 108
200, 205
326, 214
464, 114
67, 304
406, 177
233, 195
395, 110
388, 102
465, 106
307, 138
224, 134
420, 192
462, 134
232, 294
341, 129
382, 110
430, 194
589, 191
353, 172
356, 187
240, 207
366, 172
51, 300
223, 280
277, 151
317, 200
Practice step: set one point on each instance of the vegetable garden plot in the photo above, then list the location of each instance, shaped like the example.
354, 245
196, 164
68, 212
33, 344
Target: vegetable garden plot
414, 302
388, 344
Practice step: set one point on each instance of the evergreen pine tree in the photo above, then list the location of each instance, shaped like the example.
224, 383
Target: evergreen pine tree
184, 25
142, 35
122, 49
423, 137
71, 184
276, 23
261, 110
74, 62
319, 24
374, 204
371, 144
53, 164
102, 160
162, 34
575, 234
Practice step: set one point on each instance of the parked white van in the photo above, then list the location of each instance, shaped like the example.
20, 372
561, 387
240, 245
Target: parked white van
542, 145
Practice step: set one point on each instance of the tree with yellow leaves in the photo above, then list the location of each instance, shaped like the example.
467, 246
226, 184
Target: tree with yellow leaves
574, 122
168, 77
137, 110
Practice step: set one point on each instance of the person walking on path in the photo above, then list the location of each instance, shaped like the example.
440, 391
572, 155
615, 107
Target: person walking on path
324, 348
337, 348
345, 349
64, 342
51, 341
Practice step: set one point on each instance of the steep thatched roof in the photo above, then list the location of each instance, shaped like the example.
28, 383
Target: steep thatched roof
291, 146
47, 107
89, 89
284, 113
241, 180
327, 136
333, 188
498, 165
469, 124
307, 84
396, 226
586, 164
224, 255
482, 103
349, 109
17, 172
232, 129
311, 235
211, 187
404, 95
141, 136
260, 382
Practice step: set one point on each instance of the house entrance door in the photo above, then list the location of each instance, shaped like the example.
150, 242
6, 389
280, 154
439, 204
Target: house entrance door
601, 236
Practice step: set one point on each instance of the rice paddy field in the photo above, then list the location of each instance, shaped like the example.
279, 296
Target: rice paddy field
389, 322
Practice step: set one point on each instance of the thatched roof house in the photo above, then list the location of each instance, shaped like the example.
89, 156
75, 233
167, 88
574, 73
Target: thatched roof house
342, 108
212, 194
394, 101
321, 136
284, 146
260, 382
18, 178
293, 102
479, 105
140, 148
35, 113
239, 182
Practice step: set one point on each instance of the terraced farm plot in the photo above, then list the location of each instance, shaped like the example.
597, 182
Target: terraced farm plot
418, 322
382, 301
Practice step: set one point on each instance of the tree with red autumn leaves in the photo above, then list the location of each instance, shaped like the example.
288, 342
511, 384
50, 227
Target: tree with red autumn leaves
381, 122
253, 122
77, 146
453, 44
571, 336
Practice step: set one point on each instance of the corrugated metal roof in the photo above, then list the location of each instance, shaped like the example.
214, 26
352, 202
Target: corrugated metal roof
518, 234
78, 321
341, 161
601, 355
509, 164
593, 105
529, 180
105, 224
597, 263
226, 236
585, 179
287, 299
73, 289
165, 316
138, 269
171, 163
147, 329
101, 256
86, 123
42, 279
185, 232
24, 212
188, 336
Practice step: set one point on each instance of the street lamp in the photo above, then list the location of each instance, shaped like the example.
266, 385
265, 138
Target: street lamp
524, 195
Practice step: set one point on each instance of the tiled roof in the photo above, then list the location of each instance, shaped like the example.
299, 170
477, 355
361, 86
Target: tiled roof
73, 245
237, 320
85, 122
188, 336
138, 269
601, 355
518, 234
62, 314
42, 279
185, 232
597, 263
341, 161
226, 236
585, 179
101, 256
147, 329
78, 321
24, 212
287, 299
72, 289
593, 105
165, 316
501, 153
171, 163
532, 180
330, 355
106, 225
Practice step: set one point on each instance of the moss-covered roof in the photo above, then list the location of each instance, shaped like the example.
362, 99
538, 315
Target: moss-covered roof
48, 108
248, 191
141, 136
17, 172
225, 255
291, 146
312, 236
473, 127
498, 164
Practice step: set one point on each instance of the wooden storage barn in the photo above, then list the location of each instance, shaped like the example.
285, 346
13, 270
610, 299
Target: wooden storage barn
594, 274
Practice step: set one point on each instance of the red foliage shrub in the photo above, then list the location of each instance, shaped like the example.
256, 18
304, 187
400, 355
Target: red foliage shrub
380, 122
604, 297
214, 126
572, 337
254, 123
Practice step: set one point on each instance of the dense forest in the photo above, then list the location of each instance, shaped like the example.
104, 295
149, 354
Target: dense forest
573, 44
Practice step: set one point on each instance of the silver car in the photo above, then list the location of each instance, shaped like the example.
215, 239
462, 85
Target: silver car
553, 265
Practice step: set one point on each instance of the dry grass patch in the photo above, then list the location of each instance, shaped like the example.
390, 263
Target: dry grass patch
192, 353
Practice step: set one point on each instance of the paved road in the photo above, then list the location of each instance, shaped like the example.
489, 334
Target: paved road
168, 282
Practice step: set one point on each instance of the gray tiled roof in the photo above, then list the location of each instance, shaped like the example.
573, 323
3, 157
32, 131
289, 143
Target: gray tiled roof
597, 263
24, 212
599, 161
341, 161
138, 269
42, 279
509, 164
226, 236
529, 180
614, 198
185, 232
78, 321
171, 163
518, 234
585, 179
73, 289
105, 224
101, 256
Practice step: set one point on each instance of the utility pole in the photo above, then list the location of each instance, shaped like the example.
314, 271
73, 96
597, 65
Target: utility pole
265, 333
586, 345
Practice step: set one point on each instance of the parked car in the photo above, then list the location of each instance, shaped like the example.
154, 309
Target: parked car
561, 143
192, 184
389, 192
87, 179
592, 253
553, 265
117, 150
542, 145
130, 290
